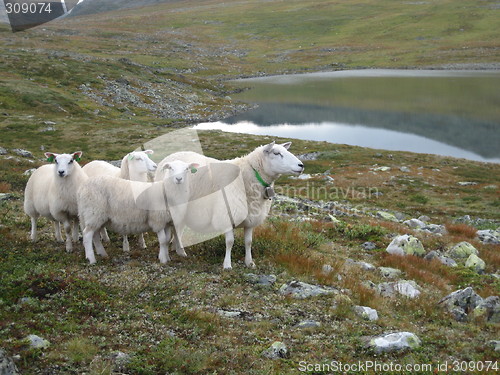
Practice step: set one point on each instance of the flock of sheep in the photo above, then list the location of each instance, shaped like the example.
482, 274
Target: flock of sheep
189, 191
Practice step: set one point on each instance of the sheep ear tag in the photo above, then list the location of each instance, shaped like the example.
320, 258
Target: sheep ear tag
194, 170
77, 158
50, 159
269, 192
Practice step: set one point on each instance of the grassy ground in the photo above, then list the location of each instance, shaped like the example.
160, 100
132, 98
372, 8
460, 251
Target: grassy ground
91, 79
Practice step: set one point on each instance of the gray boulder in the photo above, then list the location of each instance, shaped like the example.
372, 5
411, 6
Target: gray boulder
393, 342
23, 153
369, 245
389, 272
489, 308
462, 250
308, 324
366, 312
3, 151
263, 280
406, 288
36, 342
7, 365
387, 216
301, 290
434, 229
476, 263
406, 245
489, 236
495, 344
276, 350
414, 223
461, 302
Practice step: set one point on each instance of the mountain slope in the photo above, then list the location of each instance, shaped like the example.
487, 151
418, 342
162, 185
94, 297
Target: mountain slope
99, 6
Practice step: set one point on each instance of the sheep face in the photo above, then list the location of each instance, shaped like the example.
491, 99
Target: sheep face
177, 171
278, 160
63, 162
140, 161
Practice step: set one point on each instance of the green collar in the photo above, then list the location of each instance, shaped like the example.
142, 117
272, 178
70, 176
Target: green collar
260, 179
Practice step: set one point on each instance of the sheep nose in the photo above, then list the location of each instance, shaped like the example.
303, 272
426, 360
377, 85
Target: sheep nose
179, 179
61, 173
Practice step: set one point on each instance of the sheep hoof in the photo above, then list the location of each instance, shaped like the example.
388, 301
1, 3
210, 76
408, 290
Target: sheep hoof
251, 264
182, 253
164, 260
227, 268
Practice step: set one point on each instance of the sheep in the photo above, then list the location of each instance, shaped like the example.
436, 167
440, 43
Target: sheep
233, 193
133, 206
135, 166
51, 192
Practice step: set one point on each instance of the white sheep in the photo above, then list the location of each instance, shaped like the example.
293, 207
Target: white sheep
233, 193
135, 166
128, 207
51, 192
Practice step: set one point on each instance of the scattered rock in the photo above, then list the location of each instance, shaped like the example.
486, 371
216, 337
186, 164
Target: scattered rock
23, 153
414, 223
387, 216
424, 218
366, 312
263, 280
120, 360
301, 290
304, 176
369, 246
364, 265
29, 172
309, 156
436, 255
276, 350
467, 183
462, 250
434, 228
326, 269
36, 342
489, 308
49, 123
404, 169
489, 236
406, 245
495, 344
392, 342
3, 151
381, 169
389, 272
48, 129
407, 288
7, 365
461, 302
308, 324
476, 263
6, 196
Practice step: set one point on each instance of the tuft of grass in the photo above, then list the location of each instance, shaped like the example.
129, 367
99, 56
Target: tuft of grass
80, 350
463, 230
419, 198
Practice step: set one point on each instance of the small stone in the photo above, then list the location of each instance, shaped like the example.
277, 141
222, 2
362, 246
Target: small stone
387, 216
120, 360
424, 218
326, 269
3, 151
407, 288
301, 290
489, 308
467, 183
369, 246
304, 176
6, 196
406, 245
434, 228
29, 172
404, 169
393, 342
7, 365
49, 122
276, 350
489, 236
23, 153
389, 272
476, 263
431, 255
264, 280
462, 250
459, 314
414, 223
495, 344
308, 324
366, 312
36, 342
447, 261
381, 169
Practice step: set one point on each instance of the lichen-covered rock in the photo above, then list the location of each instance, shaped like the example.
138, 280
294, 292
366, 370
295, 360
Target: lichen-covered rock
301, 290
476, 263
389, 272
387, 216
263, 280
7, 365
462, 250
414, 223
393, 342
406, 245
276, 350
308, 324
36, 342
461, 302
407, 288
489, 308
366, 312
369, 245
489, 236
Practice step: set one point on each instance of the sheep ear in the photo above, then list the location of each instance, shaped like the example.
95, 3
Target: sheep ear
269, 147
77, 155
149, 152
166, 166
194, 167
50, 157
287, 145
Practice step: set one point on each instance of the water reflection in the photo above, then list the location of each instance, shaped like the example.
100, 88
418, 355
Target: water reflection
349, 134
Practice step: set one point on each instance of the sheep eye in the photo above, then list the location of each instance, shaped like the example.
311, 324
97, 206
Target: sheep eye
71, 161
277, 153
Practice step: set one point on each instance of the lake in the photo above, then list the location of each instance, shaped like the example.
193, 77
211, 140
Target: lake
446, 112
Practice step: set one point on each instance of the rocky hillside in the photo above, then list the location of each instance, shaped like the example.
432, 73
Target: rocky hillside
99, 6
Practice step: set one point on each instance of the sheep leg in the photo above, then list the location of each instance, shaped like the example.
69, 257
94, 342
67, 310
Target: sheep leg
142, 243
57, 230
229, 245
164, 240
126, 246
88, 235
33, 229
75, 233
67, 231
248, 248
179, 249
104, 235
96, 238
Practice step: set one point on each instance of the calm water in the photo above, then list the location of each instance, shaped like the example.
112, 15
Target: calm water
453, 113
